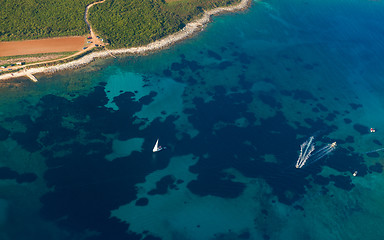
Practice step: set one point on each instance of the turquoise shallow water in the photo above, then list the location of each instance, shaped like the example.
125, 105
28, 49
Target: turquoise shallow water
232, 107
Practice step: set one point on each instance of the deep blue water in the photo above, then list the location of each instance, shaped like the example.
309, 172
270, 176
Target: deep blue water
232, 107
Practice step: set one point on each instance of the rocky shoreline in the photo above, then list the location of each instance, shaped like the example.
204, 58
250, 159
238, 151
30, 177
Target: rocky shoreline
189, 30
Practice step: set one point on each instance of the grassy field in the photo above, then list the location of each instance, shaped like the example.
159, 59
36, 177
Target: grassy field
123, 23
32, 58
33, 19
36, 55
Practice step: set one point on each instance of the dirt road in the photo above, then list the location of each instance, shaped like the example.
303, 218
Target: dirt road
53, 45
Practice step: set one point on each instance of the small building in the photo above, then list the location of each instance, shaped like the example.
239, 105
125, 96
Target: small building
20, 63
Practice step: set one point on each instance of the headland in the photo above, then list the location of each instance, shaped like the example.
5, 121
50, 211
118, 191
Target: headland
188, 31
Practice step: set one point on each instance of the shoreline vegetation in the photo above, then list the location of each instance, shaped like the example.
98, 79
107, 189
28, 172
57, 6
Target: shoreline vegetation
189, 30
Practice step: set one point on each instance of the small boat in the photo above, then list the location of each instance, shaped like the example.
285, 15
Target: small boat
355, 173
157, 148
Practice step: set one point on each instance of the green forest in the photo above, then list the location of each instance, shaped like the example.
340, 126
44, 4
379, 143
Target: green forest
187, 10
132, 23
122, 23
127, 23
32, 19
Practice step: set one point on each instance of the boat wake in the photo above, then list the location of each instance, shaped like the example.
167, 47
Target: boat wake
307, 152
377, 150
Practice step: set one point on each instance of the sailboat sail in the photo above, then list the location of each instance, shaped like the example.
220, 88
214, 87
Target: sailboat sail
156, 147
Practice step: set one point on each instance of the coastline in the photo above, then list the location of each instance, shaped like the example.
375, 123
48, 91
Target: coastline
188, 31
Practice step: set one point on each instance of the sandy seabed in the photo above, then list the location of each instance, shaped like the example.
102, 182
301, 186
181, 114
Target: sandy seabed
189, 30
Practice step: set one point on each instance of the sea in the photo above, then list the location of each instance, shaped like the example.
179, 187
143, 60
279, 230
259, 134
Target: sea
231, 107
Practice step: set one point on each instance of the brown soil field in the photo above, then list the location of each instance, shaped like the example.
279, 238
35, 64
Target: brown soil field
50, 45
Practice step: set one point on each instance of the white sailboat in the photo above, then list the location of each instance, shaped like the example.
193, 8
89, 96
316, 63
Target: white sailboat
157, 148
